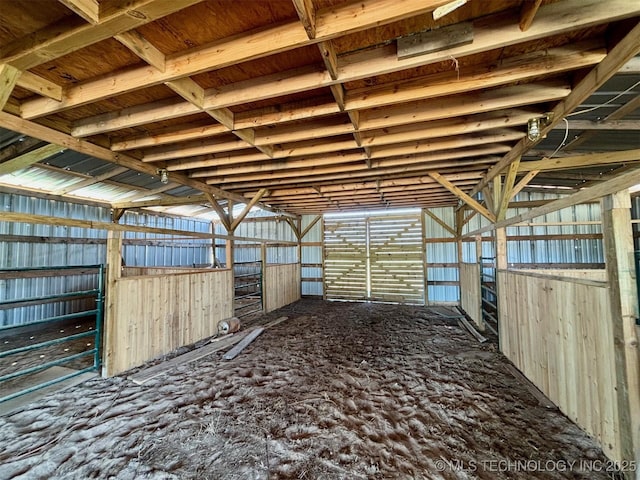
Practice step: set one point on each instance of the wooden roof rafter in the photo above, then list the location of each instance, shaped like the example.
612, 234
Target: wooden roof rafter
312, 93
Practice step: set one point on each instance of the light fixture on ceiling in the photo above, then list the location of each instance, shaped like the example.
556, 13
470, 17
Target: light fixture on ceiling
536, 124
164, 175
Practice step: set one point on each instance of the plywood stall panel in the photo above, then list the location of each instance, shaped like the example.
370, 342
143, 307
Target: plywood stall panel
470, 295
557, 331
281, 285
149, 316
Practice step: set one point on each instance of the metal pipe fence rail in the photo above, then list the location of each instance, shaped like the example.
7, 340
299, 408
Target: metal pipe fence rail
488, 293
16, 332
248, 297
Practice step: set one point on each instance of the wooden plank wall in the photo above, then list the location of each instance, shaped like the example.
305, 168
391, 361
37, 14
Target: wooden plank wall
281, 285
149, 316
470, 294
557, 331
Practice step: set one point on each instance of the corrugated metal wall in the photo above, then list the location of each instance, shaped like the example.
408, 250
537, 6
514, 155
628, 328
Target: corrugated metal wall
27, 245
247, 251
167, 250
441, 253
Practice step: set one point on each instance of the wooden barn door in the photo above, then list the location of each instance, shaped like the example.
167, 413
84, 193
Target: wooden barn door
396, 261
345, 263
377, 258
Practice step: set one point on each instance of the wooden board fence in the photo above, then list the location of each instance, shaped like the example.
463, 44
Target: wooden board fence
148, 316
138, 271
281, 285
557, 331
470, 294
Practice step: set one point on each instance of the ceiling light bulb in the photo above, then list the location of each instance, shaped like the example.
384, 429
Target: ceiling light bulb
164, 175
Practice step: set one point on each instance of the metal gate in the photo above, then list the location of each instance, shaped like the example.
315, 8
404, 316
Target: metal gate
65, 344
247, 281
489, 293
376, 258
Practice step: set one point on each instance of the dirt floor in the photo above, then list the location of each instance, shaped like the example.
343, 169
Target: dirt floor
339, 391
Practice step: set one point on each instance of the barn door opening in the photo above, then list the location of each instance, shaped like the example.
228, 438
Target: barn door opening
375, 258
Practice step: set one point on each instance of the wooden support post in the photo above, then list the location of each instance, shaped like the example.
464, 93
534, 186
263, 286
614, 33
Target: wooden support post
299, 222
114, 273
507, 188
501, 264
623, 294
478, 249
459, 249
323, 256
425, 270
263, 259
8, 78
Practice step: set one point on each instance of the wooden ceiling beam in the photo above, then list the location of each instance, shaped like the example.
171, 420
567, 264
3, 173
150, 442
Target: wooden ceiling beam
558, 60
330, 23
187, 88
153, 192
620, 54
528, 13
580, 161
166, 109
522, 183
29, 158
194, 149
91, 181
247, 208
603, 124
420, 111
474, 204
70, 35
184, 134
22, 145
8, 78
39, 85
448, 107
300, 150
518, 69
458, 141
338, 163
489, 35
87, 9
615, 184
138, 44
352, 173
165, 201
618, 114
225, 217
47, 134
307, 15
322, 128
463, 125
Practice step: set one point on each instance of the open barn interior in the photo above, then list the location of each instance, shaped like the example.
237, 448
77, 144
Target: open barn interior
410, 224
